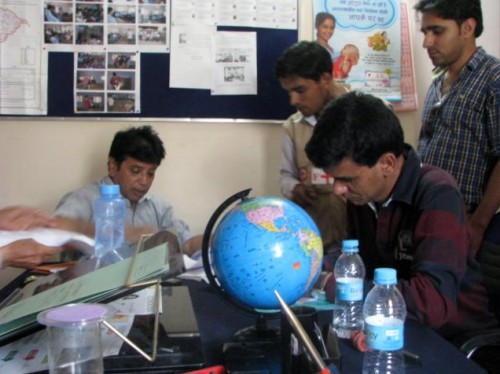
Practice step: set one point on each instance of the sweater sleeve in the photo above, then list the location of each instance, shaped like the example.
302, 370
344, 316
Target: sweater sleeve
440, 257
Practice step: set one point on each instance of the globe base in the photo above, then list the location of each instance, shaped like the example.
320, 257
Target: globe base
260, 332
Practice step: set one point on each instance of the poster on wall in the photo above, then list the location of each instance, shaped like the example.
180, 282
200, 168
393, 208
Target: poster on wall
364, 40
107, 82
23, 63
132, 25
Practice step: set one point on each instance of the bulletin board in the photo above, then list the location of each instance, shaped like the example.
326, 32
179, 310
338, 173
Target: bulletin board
158, 100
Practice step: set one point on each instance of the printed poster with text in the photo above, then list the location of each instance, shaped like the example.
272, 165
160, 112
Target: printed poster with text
365, 44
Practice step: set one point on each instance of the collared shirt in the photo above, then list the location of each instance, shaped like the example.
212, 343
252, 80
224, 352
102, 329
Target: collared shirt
422, 233
150, 211
461, 130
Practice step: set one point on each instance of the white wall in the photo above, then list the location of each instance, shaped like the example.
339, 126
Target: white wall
206, 160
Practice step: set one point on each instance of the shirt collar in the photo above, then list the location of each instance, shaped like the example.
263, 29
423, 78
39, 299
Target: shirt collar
474, 62
300, 117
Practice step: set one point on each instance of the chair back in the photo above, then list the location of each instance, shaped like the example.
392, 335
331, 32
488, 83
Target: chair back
489, 260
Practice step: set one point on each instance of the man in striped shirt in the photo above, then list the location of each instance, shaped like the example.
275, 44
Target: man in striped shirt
461, 117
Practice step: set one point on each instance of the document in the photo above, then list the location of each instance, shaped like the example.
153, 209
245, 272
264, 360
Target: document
235, 68
190, 60
91, 287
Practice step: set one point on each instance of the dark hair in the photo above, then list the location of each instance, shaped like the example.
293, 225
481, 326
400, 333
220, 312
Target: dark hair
357, 126
457, 10
141, 143
321, 17
304, 59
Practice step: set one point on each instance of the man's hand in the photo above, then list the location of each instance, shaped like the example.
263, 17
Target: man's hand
26, 253
476, 233
304, 195
193, 245
19, 218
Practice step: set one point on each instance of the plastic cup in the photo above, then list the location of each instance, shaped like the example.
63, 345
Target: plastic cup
74, 337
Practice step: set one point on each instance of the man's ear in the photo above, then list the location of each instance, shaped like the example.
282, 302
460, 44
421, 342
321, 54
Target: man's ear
469, 27
387, 163
112, 166
326, 78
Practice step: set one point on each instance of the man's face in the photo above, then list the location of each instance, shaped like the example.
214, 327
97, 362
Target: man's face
359, 184
307, 95
134, 177
444, 39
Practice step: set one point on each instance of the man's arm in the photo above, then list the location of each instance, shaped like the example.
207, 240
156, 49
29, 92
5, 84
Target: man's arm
26, 253
20, 218
487, 208
441, 258
289, 173
291, 187
132, 233
193, 245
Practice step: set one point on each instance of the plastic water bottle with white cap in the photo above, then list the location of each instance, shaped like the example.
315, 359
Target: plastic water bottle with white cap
384, 313
109, 216
349, 275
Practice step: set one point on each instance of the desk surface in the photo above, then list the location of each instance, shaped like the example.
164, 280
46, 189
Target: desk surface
218, 320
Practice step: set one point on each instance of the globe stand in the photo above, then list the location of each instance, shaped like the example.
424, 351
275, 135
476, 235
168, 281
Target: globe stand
260, 332
259, 345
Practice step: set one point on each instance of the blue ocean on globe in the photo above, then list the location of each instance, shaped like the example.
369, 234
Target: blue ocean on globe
265, 244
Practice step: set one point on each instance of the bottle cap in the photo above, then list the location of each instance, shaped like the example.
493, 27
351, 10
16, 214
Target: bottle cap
385, 276
110, 189
350, 246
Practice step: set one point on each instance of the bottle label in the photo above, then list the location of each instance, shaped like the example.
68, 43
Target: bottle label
384, 333
349, 289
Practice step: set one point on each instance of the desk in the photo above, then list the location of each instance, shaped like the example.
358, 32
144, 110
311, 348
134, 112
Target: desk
218, 320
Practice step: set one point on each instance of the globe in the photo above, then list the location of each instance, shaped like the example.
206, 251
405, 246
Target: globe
265, 244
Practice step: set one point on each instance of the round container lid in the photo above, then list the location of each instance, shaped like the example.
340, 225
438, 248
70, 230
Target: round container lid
74, 315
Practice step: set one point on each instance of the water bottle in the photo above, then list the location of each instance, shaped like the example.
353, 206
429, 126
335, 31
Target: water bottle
384, 313
109, 215
349, 275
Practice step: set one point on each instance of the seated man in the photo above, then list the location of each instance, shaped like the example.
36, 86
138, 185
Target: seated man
134, 157
25, 253
406, 215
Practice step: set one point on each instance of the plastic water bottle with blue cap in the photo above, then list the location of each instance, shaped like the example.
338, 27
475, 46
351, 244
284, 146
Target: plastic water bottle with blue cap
109, 216
384, 313
349, 275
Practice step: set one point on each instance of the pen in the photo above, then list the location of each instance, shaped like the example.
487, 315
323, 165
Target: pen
411, 355
319, 335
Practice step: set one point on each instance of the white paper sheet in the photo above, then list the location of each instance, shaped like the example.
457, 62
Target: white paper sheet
235, 68
191, 56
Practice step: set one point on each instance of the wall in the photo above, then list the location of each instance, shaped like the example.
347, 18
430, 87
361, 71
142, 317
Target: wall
41, 159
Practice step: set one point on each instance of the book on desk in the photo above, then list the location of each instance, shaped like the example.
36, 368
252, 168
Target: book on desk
179, 342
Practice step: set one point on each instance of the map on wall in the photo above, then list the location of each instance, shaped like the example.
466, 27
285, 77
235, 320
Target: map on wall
23, 83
